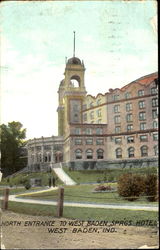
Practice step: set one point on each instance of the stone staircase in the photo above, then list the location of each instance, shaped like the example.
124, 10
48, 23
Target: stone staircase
57, 168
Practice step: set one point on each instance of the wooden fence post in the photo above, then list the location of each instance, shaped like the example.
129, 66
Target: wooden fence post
60, 202
5, 199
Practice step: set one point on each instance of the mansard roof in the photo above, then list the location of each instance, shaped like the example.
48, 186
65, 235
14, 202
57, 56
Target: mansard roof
145, 80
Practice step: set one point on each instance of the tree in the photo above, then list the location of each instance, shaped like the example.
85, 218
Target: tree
12, 141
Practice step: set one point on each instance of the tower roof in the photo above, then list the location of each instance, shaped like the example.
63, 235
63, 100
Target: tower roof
74, 60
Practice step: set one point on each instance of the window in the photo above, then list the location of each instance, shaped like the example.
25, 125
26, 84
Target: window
117, 119
156, 150
76, 107
127, 95
38, 147
144, 151
98, 101
39, 157
142, 126
154, 113
118, 140
142, 116
78, 141
88, 131
99, 113
155, 137
85, 117
99, 131
78, 154
129, 127
99, 141
129, 117
91, 105
154, 90
143, 138
131, 152
77, 131
84, 106
128, 106
92, 115
100, 153
130, 139
155, 102
118, 153
75, 117
116, 97
47, 147
140, 92
45, 158
155, 124
117, 129
49, 157
99, 121
116, 108
89, 141
89, 154
141, 104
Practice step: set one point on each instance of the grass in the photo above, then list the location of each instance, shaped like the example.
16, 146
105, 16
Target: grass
19, 190
84, 213
84, 193
88, 176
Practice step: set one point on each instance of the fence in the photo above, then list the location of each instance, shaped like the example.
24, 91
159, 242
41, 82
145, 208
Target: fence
60, 198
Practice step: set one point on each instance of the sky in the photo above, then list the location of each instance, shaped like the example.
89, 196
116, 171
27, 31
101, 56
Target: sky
116, 39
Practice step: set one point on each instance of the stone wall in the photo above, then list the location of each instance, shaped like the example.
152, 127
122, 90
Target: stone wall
121, 164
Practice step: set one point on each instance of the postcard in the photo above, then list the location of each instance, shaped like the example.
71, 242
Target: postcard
79, 125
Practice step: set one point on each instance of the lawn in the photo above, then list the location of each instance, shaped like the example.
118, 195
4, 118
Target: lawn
84, 193
19, 190
107, 175
84, 213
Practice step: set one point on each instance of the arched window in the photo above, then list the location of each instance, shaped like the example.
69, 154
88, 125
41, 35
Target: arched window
130, 152
49, 157
118, 153
156, 150
45, 158
100, 153
144, 151
89, 154
78, 154
155, 124
39, 158
75, 81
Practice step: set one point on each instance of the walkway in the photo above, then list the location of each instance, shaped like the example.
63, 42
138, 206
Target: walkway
57, 168
79, 204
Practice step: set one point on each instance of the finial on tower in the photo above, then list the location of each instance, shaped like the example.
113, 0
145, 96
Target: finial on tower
74, 44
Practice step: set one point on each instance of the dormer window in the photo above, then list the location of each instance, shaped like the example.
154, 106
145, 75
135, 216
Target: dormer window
141, 92
116, 97
91, 105
98, 101
127, 95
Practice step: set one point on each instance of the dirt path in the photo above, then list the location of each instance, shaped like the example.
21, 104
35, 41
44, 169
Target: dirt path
20, 235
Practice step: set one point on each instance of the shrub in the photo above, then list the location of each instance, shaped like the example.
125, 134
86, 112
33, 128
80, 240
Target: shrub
27, 185
131, 186
98, 180
110, 178
151, 187
103, 188
105, 178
